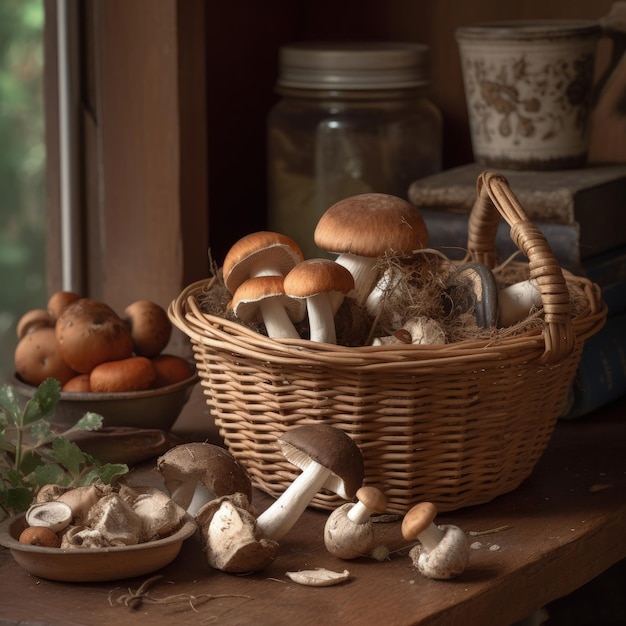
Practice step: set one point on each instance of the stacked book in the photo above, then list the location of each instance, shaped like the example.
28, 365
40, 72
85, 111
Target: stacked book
582, 214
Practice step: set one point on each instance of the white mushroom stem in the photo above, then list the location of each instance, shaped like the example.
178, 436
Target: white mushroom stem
321, 318
277, 320
430, 537
276, 521
363, 270
201, 495
382, 290
359, 513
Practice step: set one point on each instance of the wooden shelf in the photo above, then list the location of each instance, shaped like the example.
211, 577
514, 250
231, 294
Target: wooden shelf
563, 527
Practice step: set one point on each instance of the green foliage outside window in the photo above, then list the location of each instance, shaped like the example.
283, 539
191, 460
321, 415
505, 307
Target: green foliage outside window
22, 160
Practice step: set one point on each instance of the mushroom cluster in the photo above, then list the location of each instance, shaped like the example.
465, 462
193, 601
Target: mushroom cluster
100, 516
384, 272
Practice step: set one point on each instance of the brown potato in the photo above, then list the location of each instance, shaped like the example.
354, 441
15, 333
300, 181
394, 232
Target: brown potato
40, 536
89, 333
79, 384
170, 369
150, 327
31, 320
133, 374
37, 357
58, 301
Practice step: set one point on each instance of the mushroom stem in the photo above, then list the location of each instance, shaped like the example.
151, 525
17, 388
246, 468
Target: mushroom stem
276, 521
363, 270
359, 513
431, 536
321, 318
276, 320
201, 495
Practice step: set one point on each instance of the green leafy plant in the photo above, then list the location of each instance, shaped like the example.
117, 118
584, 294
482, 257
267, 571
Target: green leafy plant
32, 454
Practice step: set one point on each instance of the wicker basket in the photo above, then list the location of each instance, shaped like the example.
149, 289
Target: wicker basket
456, 424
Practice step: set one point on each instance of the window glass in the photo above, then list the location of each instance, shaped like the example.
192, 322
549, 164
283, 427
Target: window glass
22, 161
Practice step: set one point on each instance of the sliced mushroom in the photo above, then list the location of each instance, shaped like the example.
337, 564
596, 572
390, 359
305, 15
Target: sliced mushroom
348, 532
82, 499
443, 551
54, 515
329, 459
160, 515
232, 541
195, 473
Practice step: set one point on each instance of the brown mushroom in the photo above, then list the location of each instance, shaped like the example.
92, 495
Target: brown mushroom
362, 228
262, 253
316, 281
329, 459
443, 551
197, 472
263, 299
348, 532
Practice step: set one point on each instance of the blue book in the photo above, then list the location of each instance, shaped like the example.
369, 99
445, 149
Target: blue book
601, 375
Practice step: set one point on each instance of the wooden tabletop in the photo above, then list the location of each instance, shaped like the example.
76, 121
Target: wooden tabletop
561, 528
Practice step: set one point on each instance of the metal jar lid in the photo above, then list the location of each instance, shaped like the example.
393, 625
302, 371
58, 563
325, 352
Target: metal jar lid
352, 66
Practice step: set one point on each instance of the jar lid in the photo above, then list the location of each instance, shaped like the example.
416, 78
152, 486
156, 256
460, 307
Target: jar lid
350, 66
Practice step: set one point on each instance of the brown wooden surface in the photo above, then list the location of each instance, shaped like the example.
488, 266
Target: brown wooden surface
566, 521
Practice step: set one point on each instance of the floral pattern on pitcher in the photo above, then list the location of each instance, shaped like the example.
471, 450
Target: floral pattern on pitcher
518, 100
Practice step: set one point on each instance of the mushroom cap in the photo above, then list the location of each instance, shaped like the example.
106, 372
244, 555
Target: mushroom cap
247, 299
330, 447
279, 251
371, 497
210, 465
315, 276
370, 225
418, 519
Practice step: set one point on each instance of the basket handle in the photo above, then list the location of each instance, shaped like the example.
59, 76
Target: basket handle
494, 199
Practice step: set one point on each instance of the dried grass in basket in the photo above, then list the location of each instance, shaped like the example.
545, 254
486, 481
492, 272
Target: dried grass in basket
456, 424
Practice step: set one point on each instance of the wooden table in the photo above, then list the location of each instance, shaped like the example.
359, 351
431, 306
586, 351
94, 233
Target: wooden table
565, 525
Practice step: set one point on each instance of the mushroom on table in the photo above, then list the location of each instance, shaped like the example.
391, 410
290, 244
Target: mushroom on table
329, 459
195, 473
349, 532
443, 551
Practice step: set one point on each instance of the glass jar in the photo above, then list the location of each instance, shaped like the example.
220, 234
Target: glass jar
353, 118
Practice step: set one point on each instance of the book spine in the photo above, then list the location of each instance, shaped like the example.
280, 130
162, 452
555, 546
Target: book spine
601, 375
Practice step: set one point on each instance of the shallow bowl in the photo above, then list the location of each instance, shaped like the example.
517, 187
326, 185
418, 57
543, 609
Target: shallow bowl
92, 564
152, 408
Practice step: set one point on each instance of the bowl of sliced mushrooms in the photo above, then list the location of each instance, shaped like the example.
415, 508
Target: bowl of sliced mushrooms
97, 533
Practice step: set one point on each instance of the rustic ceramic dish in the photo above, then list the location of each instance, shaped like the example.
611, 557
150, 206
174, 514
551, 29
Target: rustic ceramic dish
153, 408
92, 564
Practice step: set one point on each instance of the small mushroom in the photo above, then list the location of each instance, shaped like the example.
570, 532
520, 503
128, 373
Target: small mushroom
263, 299
262, 253
362, 228
317, 281
401, 336
232, 541
54, 515
197, 472
329, 459
443, 551
348, 532
516, 301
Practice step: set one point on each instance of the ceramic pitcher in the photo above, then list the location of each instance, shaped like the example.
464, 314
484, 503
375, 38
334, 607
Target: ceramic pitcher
529, 91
